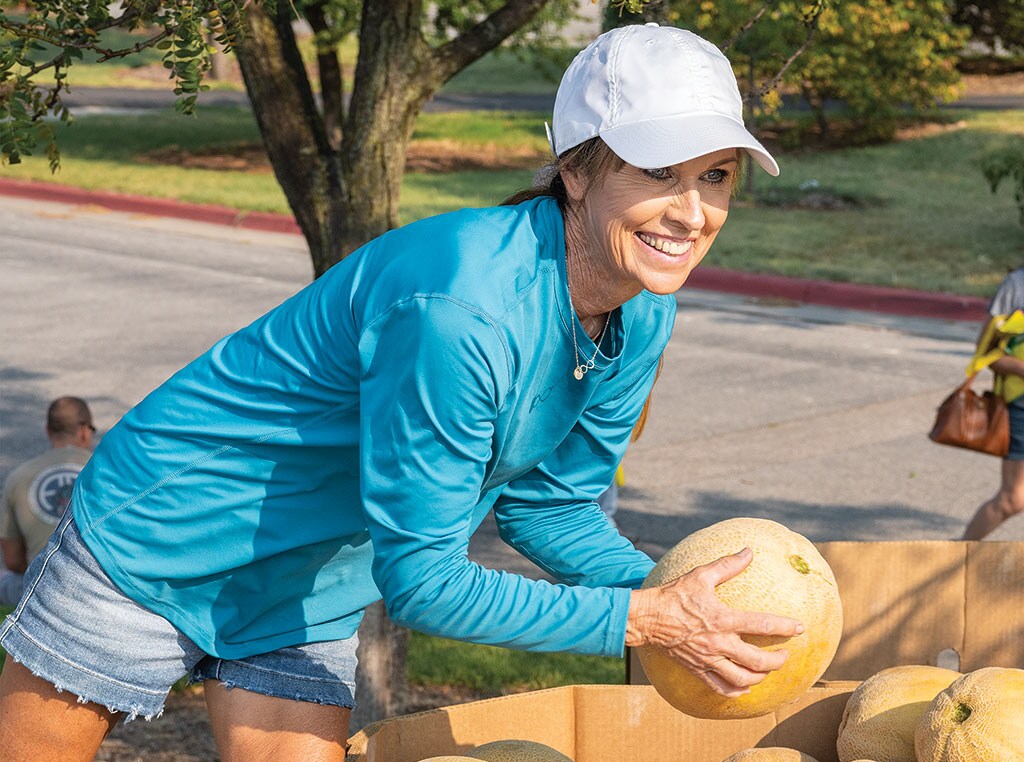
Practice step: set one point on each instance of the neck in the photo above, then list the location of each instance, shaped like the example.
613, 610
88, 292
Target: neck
590, 288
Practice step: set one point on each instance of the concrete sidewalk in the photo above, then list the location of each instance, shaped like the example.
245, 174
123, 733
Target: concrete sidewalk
810, 415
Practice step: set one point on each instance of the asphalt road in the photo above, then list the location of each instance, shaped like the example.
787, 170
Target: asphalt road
814, 417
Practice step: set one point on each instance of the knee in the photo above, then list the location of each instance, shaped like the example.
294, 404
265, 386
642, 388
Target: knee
1011, 502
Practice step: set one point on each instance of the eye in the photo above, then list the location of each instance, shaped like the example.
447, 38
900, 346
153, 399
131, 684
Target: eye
661, 173
716, 176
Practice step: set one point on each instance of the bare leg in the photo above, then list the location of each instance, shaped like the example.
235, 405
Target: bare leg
1007, 502
38, 722
251, 727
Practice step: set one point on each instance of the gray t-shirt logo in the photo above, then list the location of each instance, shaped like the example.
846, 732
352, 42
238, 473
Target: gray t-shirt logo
50, 492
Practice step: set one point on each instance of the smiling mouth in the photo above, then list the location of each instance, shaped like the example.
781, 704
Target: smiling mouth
673, 248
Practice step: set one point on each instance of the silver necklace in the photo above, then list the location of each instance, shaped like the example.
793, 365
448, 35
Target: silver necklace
583, 367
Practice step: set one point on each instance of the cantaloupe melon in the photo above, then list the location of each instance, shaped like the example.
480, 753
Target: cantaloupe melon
770, 754
882, 713
516, 750
978, 718
788, 577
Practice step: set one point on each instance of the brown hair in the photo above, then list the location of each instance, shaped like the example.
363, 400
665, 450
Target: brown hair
641, 422
592, 158
66, 414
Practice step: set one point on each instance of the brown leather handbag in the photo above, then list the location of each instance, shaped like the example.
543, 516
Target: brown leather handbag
976, 422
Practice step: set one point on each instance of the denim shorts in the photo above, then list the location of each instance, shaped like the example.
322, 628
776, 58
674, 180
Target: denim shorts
74, 628
1016, 410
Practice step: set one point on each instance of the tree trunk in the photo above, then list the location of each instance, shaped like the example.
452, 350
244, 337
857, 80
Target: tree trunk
308, 171
381, 682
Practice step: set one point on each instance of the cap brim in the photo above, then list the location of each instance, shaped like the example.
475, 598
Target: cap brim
670, 140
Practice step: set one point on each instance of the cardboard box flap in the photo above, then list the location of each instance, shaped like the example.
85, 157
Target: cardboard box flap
811, 723
539, 716
995, 628
903, 603
616, 722
600, 722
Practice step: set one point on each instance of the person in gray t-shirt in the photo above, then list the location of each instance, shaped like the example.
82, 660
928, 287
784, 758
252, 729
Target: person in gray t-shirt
37, 492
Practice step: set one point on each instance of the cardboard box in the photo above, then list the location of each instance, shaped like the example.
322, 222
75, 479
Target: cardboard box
597, 723
954, 604
946, 603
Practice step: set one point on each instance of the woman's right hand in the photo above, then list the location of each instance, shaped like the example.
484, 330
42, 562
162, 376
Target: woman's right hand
686, 618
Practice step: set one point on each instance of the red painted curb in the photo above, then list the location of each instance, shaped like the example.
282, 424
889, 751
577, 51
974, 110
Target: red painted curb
157, 207
893, 301
851, 296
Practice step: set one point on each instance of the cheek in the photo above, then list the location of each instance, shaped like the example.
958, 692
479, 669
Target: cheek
714, 218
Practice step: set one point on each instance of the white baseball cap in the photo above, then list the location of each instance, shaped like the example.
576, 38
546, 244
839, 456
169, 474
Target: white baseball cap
656, 95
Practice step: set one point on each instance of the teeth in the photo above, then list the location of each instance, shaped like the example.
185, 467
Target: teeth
669, 247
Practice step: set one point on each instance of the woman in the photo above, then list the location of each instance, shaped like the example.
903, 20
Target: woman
1009, 500
344, 447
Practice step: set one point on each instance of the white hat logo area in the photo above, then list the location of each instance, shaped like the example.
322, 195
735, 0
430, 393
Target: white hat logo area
656, 95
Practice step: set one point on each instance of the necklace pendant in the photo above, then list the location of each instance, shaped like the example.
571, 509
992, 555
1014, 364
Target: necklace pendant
578, 373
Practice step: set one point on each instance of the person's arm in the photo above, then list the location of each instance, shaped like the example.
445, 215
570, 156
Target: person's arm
15, 554
434, 375
1008, 365
551, 515
12, 544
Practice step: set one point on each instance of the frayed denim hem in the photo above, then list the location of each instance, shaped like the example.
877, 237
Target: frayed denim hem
65, 676
276, 684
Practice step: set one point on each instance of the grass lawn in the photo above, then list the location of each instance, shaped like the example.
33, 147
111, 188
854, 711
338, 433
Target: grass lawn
437, 661
926, 218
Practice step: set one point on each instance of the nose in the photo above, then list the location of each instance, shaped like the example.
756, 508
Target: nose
686, 209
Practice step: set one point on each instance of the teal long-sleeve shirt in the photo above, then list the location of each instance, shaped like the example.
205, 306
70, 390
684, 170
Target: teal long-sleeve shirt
345, 446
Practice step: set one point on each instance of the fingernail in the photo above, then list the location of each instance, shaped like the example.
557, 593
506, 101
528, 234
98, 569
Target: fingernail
745, 552
799, 629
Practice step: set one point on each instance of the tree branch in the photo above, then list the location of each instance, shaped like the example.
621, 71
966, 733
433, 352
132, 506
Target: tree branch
746, 27
484, 37
136, 48
106, 54
811, 24
332, 82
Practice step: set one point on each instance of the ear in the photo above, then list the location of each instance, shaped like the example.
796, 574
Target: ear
575, 183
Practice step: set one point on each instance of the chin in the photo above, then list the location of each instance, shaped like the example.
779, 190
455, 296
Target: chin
666, 286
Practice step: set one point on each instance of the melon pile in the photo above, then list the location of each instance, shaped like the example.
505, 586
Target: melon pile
788, 577
929, 714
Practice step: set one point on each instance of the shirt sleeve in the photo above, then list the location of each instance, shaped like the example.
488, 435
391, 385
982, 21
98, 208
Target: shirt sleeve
9, 529
1009, 296
433, 375
551, 515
